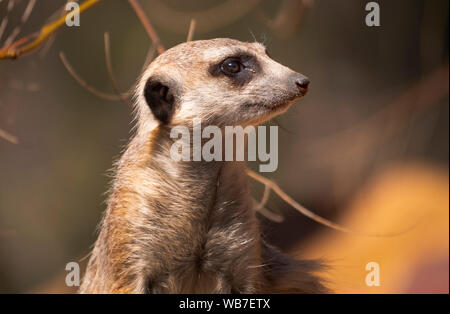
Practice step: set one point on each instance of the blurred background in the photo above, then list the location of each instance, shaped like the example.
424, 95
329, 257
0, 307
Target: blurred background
368, 147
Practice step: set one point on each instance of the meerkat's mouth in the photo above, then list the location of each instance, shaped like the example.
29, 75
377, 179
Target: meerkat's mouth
287, 102
279, 106
282, 105
272, 107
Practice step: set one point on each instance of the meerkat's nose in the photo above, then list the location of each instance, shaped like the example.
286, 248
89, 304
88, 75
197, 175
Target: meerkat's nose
302, 84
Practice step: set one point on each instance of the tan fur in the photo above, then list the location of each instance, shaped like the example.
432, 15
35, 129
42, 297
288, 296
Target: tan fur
190, 227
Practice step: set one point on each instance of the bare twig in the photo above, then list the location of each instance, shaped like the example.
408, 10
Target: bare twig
5, 18
260, 207
306, 212
23, 20
3, 26
191, 31
83, 83
267, 213
147, 25
264, 199
20, 47
110, 70
119, 96
10, 138
392, 118
57, 14
288, 18
163, 15
149, 57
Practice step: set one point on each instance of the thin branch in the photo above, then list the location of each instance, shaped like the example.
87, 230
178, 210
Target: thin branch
288, 18
149, 57
110, 70
3, 26
9, 137
260, 207
23, 20
267, 213
264, 199
5, 19
191, 32
164, 15
83, 83
57, 14
147, 25
119, 96
306, 212
386, 122
11, 52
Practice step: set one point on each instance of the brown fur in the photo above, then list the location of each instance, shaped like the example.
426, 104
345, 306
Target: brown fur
190, 227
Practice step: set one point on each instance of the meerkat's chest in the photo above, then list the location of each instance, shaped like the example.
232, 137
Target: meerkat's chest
216, 267
223, 256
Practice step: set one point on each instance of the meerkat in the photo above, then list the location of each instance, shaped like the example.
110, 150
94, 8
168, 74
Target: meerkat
190, 227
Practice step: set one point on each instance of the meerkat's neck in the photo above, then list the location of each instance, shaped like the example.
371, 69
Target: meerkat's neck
199, 182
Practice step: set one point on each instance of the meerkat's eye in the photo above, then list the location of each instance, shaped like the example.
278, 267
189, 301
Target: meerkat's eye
231, 66
238, 69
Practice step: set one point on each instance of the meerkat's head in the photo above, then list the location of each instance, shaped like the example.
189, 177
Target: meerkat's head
221, 81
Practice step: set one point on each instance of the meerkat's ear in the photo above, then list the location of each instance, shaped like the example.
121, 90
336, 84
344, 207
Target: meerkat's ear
160, 99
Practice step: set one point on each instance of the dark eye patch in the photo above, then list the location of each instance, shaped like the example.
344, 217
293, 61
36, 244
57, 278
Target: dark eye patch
240, 69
